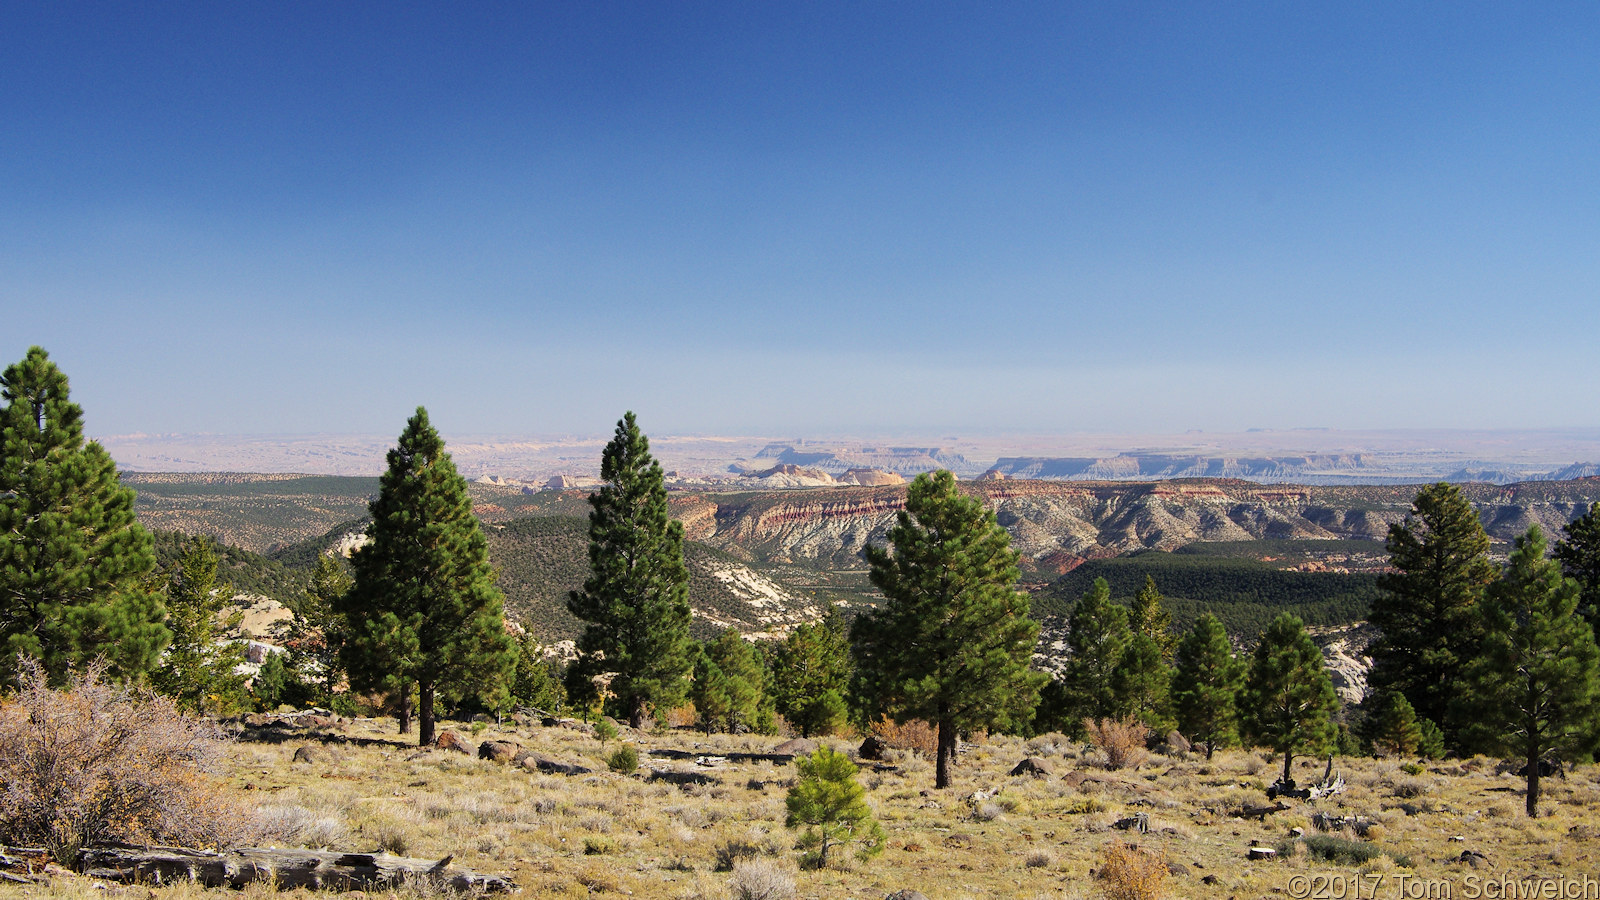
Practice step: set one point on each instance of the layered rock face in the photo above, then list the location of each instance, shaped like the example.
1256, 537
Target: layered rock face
1056, 525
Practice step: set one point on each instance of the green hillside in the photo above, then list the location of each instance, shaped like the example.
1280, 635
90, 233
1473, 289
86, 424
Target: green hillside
1246, 594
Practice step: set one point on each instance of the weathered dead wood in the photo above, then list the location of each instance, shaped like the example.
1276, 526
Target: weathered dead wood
1260, 813
288, 869
23, 865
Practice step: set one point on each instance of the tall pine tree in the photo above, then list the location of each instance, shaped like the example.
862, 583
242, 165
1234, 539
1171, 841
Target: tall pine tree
1149, 617
72, 559
1578, 551
1428, 609
636, 599
1097, 638
952, 642
423, 609
197, 671
811, 674
1288, 700
1536, 682
1205, 685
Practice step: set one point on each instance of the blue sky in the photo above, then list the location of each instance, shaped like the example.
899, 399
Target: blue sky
812, 218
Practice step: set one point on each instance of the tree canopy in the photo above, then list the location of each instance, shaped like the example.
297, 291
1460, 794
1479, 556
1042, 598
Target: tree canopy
952, 642
73, 562
423, 610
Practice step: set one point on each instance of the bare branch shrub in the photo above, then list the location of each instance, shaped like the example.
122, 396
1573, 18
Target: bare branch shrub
760, 879
1128, 873
96, 763
915, 735
1120, 742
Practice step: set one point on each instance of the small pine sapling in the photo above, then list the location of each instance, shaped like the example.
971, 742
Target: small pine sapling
829, 803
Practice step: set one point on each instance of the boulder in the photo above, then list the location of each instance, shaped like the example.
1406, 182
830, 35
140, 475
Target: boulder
906, 895
796, 747
498, 751
1036, 766
308, 754
536, 763
449, 740
872, 748
1177, 743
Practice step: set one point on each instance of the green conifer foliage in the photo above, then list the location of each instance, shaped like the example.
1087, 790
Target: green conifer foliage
1150, 618
72, 559
1395, 729
1428, 610
1142, 682
745, 680
312, 671
423, 609
1578, 551
197, 671
811, 674
1097, 637
1536, 683
535, 683
1205, 685
1288, 700
709, 692
831, 805
953, 641
636, 599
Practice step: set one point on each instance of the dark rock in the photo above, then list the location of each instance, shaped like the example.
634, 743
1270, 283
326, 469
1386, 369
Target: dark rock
536, 763
1211, 879
796, 747
906, 895
498, 751
1473, 859
449, 740
310, 755
1035, 766
872, 748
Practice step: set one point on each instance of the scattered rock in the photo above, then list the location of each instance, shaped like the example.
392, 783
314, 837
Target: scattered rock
1177, 743
1211, 880
872, 748
1139, 822
1178, 869
1473, 859
449, 740
498, 751
906, 895
796, 747
1036, 766
533, 762
311, 755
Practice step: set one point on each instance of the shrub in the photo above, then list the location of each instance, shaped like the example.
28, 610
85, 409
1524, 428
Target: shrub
760, 879
1120, 741
1128, 873
915, 735
98, 763
605, 731
623, 760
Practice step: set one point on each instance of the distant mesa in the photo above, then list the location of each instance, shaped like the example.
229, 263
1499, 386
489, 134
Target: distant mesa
839, 460
570, 483
871, 477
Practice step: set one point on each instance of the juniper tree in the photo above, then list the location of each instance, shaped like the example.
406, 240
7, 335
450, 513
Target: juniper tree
1578, 551
811, 674
1536, 682
1205, 685
424, 610
636, 599
1427, 609
1288, 700
73, 562
952, 641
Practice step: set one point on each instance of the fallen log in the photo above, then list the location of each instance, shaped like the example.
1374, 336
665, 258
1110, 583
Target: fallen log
287, 869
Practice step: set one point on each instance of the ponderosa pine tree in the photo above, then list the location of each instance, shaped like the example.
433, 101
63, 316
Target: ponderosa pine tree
811, 675
1536, 682
1097, 637
312, 670
1288, 700
1205, 685
1578, 551
1149, 617
197, 670
73, 561
1427, 611
424, 610
535, 683
1142, 683
636, 599
952, 642
1394, 728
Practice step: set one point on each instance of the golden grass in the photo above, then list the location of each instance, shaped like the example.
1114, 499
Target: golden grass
613, 834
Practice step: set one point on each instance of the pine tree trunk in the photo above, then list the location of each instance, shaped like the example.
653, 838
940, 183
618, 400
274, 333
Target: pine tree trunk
1211, 747
636, 718
425, 715
1533, 775
405, 711
1288, 758
947, 754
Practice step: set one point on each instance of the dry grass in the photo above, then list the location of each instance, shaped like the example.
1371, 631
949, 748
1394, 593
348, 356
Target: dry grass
608, 834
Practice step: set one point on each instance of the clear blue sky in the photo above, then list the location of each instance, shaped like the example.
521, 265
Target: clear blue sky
804, 218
